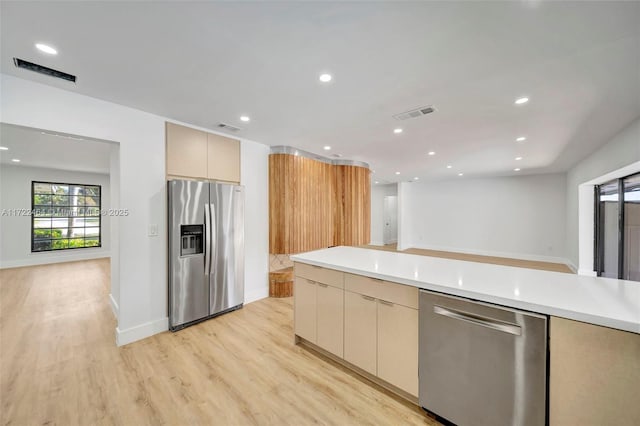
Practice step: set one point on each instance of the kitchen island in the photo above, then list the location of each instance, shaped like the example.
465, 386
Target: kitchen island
594, 323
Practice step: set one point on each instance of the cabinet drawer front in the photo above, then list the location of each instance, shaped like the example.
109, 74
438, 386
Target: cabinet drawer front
384, 290
322, 275
362, 285
398, 293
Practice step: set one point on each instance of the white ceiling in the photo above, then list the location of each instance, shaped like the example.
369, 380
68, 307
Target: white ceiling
39, 148
203, 63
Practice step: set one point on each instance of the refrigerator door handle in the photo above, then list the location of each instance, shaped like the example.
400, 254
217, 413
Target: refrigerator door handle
207, 240
214, 234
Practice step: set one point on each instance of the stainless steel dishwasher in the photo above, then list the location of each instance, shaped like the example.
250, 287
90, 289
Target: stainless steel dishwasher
482, 364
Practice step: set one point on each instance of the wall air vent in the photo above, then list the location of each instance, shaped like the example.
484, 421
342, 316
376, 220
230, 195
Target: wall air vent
415, 113
20, 63
228, 127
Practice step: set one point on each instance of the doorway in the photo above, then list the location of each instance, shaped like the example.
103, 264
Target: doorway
617, 228
390, 218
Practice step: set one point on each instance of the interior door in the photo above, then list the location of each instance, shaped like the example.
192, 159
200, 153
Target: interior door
390, 217
188, 281
227, 247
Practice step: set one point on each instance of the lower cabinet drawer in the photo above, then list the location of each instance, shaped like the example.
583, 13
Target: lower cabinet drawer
405, 295
322, 275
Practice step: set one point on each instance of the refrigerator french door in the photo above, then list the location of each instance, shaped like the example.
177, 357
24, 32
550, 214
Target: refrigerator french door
206, 250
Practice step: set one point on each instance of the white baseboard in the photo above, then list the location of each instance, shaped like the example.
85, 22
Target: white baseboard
114, 306
521, 256
124, 337
587, 272
34, 259
256, 294
376, 243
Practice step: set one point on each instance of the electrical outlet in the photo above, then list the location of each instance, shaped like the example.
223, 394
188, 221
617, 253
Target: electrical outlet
153, 230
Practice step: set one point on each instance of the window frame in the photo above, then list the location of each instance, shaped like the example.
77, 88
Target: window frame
34, 217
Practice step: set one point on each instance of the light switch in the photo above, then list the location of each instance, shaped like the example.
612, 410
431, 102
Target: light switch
153, 230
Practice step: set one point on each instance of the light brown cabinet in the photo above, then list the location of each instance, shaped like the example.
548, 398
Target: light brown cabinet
319, 307
381, 330
372, 324
398, 346
305, 309
192, 153
329, 311
314, 204
594, 375
223, 158
186, 151
360, 331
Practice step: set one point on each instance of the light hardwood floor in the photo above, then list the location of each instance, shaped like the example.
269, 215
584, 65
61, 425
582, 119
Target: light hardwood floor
505, 261
59, 364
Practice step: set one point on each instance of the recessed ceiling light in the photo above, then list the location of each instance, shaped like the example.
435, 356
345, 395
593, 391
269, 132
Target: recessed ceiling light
46, 49
521, 139
376, 182
325, 78
397, 173
3, 148
416, 178
460, 174
244, 118
522, 100
15, 160
432, 153
518, 158
327, 148
449, 166
398, 130
516, 169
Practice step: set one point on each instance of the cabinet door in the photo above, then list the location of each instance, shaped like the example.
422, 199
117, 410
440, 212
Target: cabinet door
398, 346
594, 375
360, 331
330, 310
186, 151
305, 309
223, 158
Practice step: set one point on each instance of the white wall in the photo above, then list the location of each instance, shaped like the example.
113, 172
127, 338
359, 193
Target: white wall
15, 193
619, 154
254, 169
142, 285
520, 217
378, 192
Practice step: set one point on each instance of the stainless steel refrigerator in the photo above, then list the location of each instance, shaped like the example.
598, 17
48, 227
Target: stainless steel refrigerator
206, 250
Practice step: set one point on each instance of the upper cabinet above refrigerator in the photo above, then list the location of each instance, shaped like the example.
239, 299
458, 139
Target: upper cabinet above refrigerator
192, 153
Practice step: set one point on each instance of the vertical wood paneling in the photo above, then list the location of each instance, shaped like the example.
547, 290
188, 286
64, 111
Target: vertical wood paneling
352, 212
300, 204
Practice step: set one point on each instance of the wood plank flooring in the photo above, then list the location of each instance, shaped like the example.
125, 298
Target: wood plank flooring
59, 364
504, 261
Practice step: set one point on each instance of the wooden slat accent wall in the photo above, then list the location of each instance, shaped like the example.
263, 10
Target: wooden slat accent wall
300, 204
352, 211
314, 205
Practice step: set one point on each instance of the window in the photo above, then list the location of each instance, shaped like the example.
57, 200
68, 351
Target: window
64, 216
617, 242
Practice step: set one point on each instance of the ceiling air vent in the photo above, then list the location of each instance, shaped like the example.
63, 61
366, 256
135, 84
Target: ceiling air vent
20, 63
229, 127
415, 113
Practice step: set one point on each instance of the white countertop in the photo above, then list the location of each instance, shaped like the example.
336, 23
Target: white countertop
601, 301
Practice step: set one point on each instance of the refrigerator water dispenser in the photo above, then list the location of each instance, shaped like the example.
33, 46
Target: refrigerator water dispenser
191, 239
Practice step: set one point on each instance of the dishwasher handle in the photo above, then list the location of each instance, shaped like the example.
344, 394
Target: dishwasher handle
478, 320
